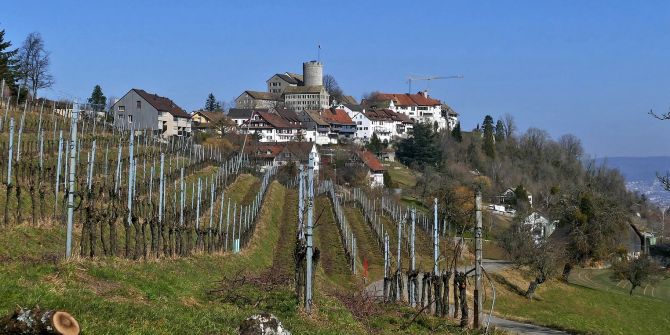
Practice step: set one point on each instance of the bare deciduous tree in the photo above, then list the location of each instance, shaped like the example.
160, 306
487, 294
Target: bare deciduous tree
510, 125
34, 63
332, 87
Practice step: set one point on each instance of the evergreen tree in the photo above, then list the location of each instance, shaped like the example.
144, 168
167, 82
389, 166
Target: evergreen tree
97, 99
489, 142
8, 66
456, 133
419, 148
211, 104
500, 131
375, 145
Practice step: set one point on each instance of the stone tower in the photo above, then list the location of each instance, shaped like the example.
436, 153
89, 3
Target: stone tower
312, 73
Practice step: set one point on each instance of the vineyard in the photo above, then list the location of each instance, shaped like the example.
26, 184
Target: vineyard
133, 195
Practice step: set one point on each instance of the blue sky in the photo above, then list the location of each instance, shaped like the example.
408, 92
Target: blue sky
590, 68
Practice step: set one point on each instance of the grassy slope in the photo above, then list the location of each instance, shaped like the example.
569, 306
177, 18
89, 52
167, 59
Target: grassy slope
168, 296
600, 279
581, 309
327, 238
368, 248
402, 176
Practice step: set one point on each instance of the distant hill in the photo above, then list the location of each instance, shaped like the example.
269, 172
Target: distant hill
640, 174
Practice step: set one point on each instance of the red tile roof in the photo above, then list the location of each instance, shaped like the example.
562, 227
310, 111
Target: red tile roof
370, 160
162, 104
387, 115
265, 150
406, 99
338, 116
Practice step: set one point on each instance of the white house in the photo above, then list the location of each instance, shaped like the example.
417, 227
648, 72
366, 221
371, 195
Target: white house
271, 127
541, 226
419, 107
375, 173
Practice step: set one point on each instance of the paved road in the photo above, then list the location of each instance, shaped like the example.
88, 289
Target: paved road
492, 266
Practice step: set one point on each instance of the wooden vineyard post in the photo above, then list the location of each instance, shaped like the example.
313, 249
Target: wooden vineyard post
71, 180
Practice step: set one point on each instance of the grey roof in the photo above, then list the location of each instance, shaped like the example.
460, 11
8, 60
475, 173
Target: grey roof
354, 107
264, 95
243, 113
291, 78
348, 100
162, 104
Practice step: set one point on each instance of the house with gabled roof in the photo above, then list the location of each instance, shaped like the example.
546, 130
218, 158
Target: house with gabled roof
256, 99
280, 81
341, 125
268, 155
419, 107
141, 110
241, 115
317, 129
375, 169
271, 127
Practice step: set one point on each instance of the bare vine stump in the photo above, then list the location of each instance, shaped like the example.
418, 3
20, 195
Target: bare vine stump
437, 283
37, 321
445, 296
461, 278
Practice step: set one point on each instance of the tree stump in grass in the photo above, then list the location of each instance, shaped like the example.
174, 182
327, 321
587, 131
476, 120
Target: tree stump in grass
37, 321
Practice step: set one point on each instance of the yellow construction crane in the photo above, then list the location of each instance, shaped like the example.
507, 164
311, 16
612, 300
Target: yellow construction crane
429, 78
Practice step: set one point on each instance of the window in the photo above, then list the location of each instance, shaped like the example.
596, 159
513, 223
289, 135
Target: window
130, 119
139, 104
175, 119
121, 109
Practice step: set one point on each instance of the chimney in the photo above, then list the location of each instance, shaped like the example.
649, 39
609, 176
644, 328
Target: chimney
424, 93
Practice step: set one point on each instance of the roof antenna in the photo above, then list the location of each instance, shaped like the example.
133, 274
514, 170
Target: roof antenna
318, 54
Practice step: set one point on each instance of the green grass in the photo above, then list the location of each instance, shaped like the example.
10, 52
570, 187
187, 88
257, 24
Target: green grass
401, 175
581, 309
170, 296
600, 279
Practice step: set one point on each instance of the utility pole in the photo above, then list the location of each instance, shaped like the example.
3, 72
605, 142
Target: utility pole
310, 218
478, 261
71, 179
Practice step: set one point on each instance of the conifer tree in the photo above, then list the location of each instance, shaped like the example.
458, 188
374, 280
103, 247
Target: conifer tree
500, 131
97, 99
7, 63
211, 104
375, 144
489, 142
456, 133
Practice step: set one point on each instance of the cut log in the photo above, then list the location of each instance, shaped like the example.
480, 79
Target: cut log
37, 321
